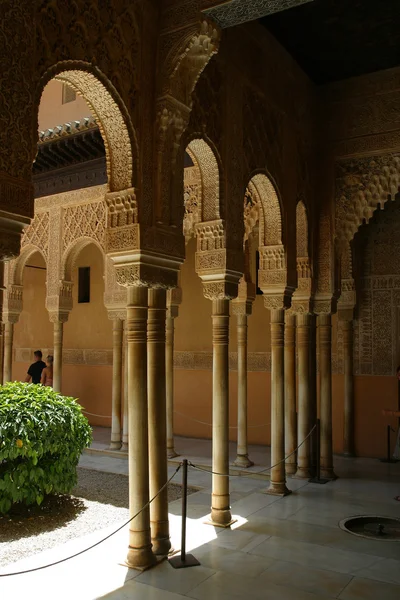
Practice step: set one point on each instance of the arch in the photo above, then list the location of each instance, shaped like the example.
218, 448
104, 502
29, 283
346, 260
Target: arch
192, 197
16, 277
206, 160
271, 233
72, 253
111, 115
302, 240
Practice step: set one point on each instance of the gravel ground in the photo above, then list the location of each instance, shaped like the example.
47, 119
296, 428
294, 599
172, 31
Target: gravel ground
99, 500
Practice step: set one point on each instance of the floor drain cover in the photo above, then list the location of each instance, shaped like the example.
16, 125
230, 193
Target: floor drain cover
385, 529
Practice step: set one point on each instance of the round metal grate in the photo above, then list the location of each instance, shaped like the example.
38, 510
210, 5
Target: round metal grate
385, 529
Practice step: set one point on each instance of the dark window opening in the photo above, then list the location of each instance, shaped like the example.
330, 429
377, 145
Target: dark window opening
84, 285
258, 291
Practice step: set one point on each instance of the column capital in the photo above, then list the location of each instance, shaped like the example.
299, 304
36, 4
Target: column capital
12, 303
60, 305
117, 314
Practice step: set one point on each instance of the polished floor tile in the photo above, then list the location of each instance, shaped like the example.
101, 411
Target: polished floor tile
179, 581
239, 563
367, 589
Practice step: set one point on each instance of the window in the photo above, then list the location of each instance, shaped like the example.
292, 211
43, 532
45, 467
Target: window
68, 94
83, 285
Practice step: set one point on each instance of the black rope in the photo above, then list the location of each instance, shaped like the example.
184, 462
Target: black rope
100, 541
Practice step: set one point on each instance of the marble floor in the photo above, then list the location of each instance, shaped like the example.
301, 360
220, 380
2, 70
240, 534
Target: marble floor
279, 548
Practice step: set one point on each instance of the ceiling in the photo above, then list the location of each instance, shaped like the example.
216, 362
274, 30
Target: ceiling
336, 39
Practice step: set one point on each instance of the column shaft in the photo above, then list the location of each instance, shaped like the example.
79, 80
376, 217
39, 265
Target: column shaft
8, 350
242, 458
313, 390
140, 554
325, 373
277, 473
125, 424
157, 420
290, 394
169, 366
57, 358
220, 509
116, 385
304, 408
348, 388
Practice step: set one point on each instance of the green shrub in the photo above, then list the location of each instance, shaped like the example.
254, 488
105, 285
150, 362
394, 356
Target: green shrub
42, 435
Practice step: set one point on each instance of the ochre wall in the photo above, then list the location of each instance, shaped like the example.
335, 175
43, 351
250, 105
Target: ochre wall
53, 112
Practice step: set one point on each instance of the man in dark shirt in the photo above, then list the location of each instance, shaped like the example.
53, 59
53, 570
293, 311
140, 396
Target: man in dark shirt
36, 368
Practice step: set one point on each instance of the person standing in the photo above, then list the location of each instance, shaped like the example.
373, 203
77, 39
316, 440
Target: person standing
35, 370
47, 373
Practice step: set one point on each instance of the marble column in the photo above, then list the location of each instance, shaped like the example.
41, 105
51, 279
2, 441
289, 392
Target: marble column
125, 423
157, 420
58, 328
325, 393
348, 437
304, 408
313, 390
169, 366
8, 350
290, 393
140, 553
116, 385
277, 474
242, 458
220, 508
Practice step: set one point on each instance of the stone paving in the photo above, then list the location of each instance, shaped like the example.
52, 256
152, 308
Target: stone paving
279, 549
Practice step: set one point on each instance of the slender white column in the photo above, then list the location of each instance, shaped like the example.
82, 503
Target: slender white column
348, 388
140, 554
169, 366
116, 385
8, 350
313, 390
303, 416
290, 394
58, 349
125, 425
220, 509
277, 473
158, 420
325, 374
242, 458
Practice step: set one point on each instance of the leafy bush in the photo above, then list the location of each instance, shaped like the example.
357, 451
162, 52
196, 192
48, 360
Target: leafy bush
42, 435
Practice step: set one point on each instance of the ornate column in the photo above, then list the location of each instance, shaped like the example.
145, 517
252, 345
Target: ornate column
290, 393
59, 306
174, 298
8, 350
220, 509
313, 388
140, 554
304, 390
324, 322
242, 309
58, 332
125, 424
117, 380
348, 437
157, 420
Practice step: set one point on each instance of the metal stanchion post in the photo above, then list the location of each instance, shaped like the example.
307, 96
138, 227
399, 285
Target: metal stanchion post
183, 560
388, 458
317, 478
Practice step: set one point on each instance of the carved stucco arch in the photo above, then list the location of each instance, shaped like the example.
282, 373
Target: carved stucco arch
270, 215
205, 158
362, 185
111, 114
71, 255
19, 264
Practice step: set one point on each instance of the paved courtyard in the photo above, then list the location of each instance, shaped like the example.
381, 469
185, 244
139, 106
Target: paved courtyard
279, 549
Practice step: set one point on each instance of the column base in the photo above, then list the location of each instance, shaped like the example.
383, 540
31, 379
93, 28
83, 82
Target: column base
140, 559
115, 446
290, 468
220, 517
328, 474
124, 447
161, 542
242, 460
349, 454
303, 473
278, 489
171, 453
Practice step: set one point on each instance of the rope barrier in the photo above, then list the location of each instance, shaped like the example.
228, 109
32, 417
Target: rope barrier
210, 424
57, 562
94, 415
252, 473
